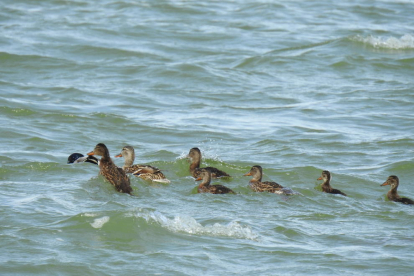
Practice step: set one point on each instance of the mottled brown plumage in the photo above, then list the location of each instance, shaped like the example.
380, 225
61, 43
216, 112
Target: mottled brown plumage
195, 170
146, 172
258, 186
116, 176
205, 187
326, 187
392, 194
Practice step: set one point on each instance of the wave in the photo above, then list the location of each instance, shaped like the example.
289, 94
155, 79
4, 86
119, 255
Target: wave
189, 225
404, 42
178, 224
99, 222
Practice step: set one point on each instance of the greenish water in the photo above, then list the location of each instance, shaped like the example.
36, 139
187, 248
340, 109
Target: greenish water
296, 87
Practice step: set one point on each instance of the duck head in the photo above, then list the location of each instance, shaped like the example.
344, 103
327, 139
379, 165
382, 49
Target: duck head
392, 181
326, 177
73, 157
194, 154
256, 172
101, 150
205, 176
128, 153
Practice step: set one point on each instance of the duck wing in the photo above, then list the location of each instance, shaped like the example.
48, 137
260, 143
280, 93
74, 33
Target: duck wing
220, 189
405, 200
117, 177
147, 168
151, 173
337, 192
266, 186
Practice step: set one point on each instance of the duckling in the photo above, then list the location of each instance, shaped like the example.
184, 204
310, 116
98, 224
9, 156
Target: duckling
205, 187
326, 187
256, 182
392, 193
145, 172
195, 156
116, 176
79, 157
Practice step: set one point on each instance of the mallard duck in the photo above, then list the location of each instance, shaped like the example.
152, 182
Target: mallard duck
392, 193
116, 176
145, 172
205, 187
267, 186
326, 187
79, 157
195, 156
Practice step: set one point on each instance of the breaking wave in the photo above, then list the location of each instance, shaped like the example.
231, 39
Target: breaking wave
185, 224
404, 42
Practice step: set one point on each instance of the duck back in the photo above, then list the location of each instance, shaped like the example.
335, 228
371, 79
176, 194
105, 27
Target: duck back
215, 173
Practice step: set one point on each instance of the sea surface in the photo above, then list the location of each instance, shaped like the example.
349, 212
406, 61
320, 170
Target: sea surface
297, 87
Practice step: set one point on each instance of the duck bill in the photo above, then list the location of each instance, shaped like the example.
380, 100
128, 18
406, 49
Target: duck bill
91, 153
119, 155
247, 174
384, 184
320, 178
199, 178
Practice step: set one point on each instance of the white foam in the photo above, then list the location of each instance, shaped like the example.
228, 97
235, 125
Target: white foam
89, 215
405, 42
99, 222
191, 226
165, 181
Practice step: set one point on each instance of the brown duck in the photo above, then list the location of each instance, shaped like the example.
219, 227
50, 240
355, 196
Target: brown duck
256, 182
205, 187
195, 156
145, 172
116, 176
326, 187
392, 194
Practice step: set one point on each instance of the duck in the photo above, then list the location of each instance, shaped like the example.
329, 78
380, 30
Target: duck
326, 187
205, 187
79, 157
257, 185
195, 170
145, 172
116, 176
392, 194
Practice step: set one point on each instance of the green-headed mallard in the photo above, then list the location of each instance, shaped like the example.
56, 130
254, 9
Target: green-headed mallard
79, 158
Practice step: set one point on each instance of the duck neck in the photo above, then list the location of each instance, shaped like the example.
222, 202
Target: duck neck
128, 161
203, 185
106, 155
392, 193
105, 160
257, 178
206, 181
195, 164
326, 186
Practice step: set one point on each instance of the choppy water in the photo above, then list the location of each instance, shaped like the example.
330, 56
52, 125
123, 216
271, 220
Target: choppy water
296, 87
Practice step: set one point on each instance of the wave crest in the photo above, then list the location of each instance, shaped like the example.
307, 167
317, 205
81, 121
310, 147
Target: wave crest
191, 226
405, 42
99, 222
